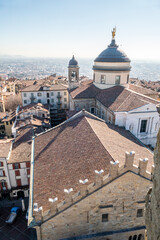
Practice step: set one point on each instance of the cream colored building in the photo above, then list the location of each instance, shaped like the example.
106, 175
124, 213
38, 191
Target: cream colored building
54, 95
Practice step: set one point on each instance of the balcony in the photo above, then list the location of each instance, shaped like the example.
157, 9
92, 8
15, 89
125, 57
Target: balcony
59, 96
59, 103
32, 98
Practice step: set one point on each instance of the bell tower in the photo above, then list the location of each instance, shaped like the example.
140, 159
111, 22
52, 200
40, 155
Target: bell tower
73, 73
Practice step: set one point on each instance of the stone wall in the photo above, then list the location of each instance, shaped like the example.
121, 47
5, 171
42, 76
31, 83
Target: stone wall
153, 199
110, 208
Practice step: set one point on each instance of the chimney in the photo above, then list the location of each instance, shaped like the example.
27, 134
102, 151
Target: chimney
129, 159
114, 166
99, 177
143, 166
83, 187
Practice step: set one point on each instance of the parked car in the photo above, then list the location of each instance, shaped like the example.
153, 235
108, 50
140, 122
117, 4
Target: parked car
13, 214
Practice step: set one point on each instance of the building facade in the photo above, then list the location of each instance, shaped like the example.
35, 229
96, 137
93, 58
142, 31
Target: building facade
54, 95
15, 165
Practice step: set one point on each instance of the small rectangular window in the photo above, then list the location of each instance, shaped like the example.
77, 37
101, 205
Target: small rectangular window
103, 79
39, 101
17, 173
25, 101
1, 173
52, 93
65, 99
65, 105
65, 93
102, 115
1, 164
19, 184
105, 217
16, 165
24, 94
143, 126
47, 95
92, 110
139, 212
117, 80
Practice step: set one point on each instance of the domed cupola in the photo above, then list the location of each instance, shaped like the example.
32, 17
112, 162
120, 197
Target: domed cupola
112, 66
73, 62
112, 54
73, 73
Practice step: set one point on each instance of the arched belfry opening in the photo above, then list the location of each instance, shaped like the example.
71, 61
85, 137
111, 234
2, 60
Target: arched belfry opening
73, 73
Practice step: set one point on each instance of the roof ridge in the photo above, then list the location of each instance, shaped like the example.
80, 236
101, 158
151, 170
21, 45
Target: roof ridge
142, 95
124, 100
141, 87
81, 113
100, 140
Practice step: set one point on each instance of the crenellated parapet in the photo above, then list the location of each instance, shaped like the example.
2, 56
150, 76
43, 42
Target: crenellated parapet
101, 179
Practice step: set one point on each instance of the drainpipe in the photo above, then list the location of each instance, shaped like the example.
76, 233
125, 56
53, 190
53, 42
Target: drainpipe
30, 218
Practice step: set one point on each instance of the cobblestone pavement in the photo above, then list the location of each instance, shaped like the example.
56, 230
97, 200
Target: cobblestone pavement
18, 230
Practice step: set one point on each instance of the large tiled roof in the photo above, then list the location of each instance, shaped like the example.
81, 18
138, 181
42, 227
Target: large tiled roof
32, 88
33, 106
10, 116
21, 151
5, 146
39, 87
117, 98
85, 90
74, 150
142, 90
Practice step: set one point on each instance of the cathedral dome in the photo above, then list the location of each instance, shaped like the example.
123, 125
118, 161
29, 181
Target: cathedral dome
73, 62
112, 54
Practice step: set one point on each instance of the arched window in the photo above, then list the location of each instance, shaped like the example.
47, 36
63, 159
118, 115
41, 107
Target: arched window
140, 237
130, 238
135, 237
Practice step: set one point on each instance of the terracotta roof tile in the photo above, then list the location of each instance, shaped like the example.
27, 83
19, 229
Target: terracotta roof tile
85, 91
74, 150
142, 90
117, 98
5, 146
21, 151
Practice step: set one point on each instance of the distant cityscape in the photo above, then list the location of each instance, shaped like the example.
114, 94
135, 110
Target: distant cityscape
39, 68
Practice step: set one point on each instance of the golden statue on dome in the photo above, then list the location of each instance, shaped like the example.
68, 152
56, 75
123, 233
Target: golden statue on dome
113, 32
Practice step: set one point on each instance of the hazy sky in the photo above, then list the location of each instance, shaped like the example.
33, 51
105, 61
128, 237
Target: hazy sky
57, 28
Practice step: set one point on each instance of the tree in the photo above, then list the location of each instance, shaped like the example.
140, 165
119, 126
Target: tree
12, 102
